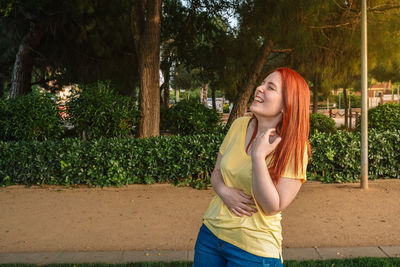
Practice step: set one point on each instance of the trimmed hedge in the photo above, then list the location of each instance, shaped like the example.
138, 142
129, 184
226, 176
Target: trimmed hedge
99, 111
321, 123
383, 117
336, 157
34, 116
189, 117
181, 160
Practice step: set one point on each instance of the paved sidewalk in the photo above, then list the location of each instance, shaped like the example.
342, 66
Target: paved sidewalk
187, 255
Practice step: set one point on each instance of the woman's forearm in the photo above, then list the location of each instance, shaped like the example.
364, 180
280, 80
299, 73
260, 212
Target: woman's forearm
217, 182
264, 189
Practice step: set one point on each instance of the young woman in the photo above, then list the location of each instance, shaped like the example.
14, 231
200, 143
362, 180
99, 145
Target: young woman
260, 167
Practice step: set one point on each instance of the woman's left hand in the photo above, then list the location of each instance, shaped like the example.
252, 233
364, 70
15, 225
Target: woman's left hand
262, 147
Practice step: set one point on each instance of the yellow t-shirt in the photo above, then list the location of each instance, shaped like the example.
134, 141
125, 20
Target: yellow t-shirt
258, 234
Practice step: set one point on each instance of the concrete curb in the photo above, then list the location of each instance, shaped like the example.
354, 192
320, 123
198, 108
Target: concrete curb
187, 255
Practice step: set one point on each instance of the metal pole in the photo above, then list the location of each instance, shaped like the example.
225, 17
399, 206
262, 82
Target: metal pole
364, 108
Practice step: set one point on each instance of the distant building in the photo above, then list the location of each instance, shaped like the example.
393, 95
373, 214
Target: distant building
379, 93
219, 102
382, 93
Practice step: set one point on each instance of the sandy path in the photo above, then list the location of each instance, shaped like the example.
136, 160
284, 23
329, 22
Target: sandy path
164, 217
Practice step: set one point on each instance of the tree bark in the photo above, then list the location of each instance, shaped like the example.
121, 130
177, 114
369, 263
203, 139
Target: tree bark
22, 71
315, 93
214, 105
346, 116
205, 92
247, 87
1, 86
166, 69
146, 29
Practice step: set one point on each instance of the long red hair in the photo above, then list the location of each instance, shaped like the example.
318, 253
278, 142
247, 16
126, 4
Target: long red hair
294, 126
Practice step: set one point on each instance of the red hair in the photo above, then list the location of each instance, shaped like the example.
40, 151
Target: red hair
294, 126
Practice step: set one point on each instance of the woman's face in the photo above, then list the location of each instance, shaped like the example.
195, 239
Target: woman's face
268, 101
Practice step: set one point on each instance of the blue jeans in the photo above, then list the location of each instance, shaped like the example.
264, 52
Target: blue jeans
214, 252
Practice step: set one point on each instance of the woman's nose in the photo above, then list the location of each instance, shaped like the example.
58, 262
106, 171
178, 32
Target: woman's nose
260, 89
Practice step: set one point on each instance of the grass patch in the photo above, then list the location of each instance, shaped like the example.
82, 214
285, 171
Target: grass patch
356, 262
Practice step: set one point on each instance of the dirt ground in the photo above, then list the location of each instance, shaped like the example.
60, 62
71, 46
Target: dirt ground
164, 217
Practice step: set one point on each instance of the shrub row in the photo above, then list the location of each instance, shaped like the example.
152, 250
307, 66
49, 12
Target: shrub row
181, 160
186, 160
321, 123
336, 157
383, 117
188, 117
30, 117
96, 110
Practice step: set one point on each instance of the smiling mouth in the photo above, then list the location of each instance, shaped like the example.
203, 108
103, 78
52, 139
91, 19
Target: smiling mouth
258, 100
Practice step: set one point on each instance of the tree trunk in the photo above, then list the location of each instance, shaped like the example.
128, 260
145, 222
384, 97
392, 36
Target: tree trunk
22, 71
1, 86
214, 105
166, 95
247, 87
166, 69
205, 91
146, 29
350, 113
315, 93
345, 107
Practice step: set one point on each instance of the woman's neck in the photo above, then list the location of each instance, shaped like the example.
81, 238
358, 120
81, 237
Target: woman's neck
266, 123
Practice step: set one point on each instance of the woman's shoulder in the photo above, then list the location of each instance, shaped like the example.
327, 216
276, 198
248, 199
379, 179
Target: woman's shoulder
237, 123
242, 119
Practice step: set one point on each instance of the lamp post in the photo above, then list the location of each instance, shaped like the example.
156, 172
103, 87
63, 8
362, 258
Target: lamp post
364, 108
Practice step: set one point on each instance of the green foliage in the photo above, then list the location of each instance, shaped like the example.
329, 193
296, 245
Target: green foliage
34, 116
99, 111
336, 157
190, 117
226, 108
5, 9
95, 48
383, 117
355, 101
181, 160
321, 123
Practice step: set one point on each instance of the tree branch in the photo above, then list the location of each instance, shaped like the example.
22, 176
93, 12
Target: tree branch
383, 7
329, 26
43, 81
282, 50
137, 21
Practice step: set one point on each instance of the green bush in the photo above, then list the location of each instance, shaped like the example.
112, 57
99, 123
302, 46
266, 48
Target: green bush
225, 108
336, 157
180, 160
34, 116
321, 123
383, 117
190, 117
355, 100
99, 111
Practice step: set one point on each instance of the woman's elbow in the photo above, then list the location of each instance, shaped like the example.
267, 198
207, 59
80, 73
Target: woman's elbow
270, 212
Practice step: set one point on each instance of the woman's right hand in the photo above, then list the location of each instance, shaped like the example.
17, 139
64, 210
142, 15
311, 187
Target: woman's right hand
237, 201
